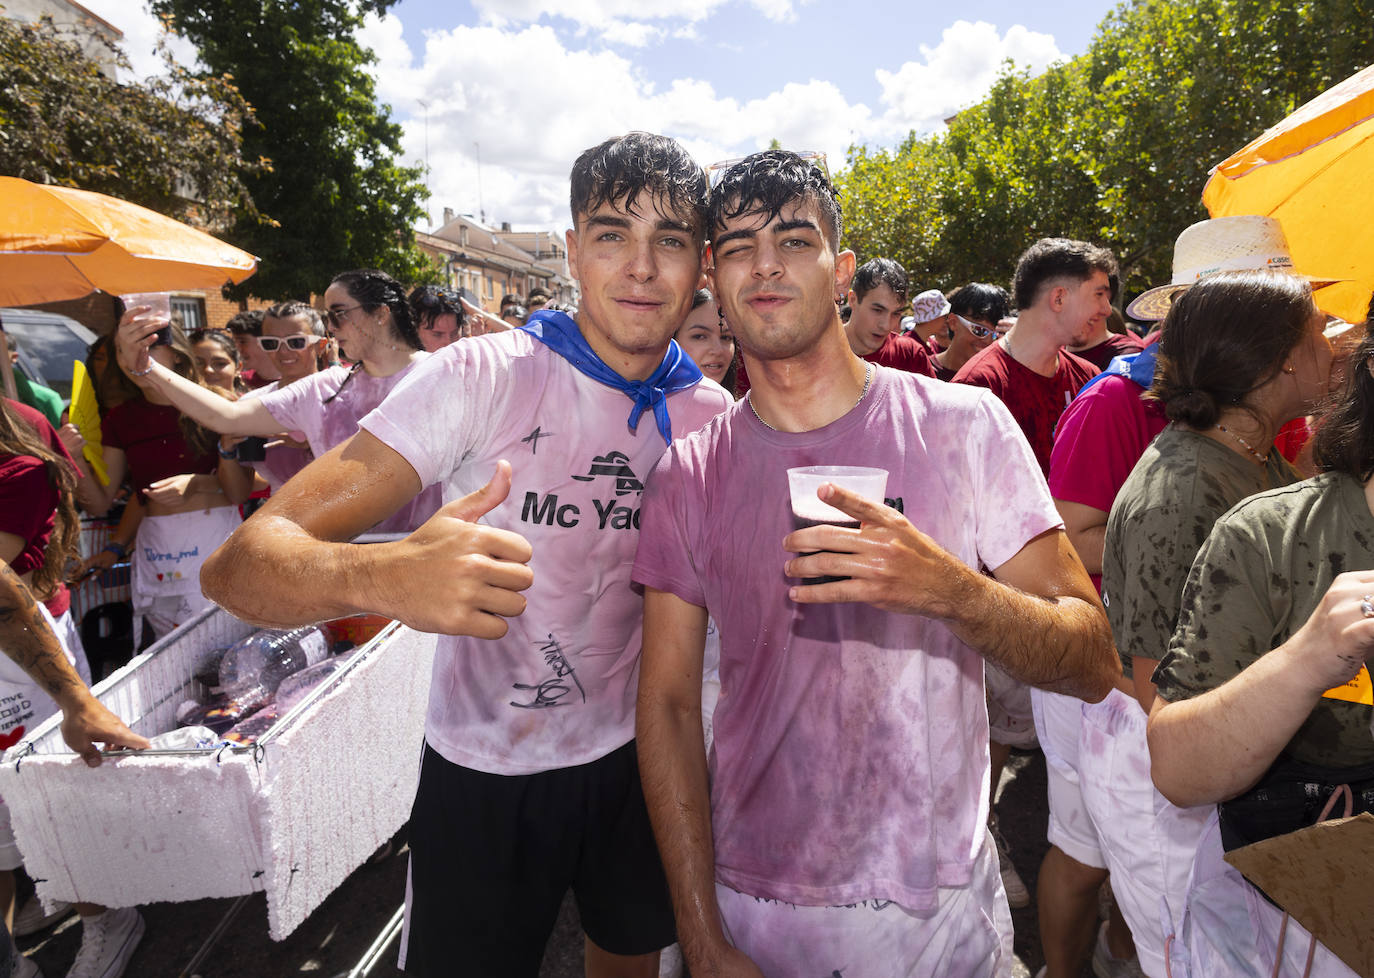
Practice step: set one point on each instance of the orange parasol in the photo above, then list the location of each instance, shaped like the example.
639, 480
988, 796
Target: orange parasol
1311, 172
59, 243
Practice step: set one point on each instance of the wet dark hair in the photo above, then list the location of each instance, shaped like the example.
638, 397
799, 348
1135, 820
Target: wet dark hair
429, 302
371, 289
1224, 338
246, 323
767, 182
880, 271
700, 297
980, 300
1345, 438
287, 310
1052, 258
619, 170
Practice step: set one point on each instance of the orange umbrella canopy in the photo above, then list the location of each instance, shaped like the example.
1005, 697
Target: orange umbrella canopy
1312, 172
59, 243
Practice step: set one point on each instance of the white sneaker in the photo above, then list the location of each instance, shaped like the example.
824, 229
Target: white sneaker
31, 918
1107, 966
107, 942
1017, 894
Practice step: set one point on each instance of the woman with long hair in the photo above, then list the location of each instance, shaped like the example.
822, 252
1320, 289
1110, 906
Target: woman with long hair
368, 314
706, 338
1268, 668
39, 531
186, 496
1241, 353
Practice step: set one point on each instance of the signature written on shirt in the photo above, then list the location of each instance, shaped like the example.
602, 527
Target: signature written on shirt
554, 690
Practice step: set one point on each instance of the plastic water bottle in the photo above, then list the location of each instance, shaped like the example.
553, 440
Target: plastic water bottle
267, 657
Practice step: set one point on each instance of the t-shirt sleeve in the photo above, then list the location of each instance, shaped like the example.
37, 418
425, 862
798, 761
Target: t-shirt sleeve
26, 497
1226, 620
433, 417
1095, 448
1013, 504
290, 403
664, 558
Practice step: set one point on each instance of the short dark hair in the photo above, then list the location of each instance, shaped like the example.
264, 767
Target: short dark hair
246, 323
767, 182
429, 302
619, 170
371, 288
700, 297
1224, 337
880, 271
980, 300
286, 310
538, 294
1051, 258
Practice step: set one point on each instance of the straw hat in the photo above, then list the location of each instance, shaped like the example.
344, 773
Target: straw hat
1246, 243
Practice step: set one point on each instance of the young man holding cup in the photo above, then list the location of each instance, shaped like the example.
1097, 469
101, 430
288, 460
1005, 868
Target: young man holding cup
845, 826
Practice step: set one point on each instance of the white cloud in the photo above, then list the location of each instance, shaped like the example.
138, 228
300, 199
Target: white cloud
957, 72
635, 34
141, 32
532, 98
597, 14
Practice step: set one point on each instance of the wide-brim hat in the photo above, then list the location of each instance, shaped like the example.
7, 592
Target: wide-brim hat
1244, 243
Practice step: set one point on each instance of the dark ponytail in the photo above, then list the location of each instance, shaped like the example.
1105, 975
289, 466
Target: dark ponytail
371, 289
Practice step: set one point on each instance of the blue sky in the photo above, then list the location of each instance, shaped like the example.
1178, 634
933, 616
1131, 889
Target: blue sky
533, 82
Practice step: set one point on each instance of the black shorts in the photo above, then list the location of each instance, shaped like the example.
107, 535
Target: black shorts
492, 857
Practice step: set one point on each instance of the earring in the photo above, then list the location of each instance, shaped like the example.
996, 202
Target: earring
720, 316
1288, 368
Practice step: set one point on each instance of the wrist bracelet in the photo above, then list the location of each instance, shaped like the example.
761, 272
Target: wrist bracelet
116, 548
231, 453
143, 373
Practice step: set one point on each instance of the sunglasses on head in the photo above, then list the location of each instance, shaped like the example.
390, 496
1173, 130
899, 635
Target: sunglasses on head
715, 173
296, 341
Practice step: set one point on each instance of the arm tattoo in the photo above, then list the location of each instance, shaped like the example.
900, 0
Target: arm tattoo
26, 638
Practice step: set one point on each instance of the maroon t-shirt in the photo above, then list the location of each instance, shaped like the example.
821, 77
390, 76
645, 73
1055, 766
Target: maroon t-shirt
151, 439
903, 353
1115, 345
1035, 402
28, 502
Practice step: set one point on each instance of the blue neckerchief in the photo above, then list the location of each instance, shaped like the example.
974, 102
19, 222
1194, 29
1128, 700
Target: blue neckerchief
1137, 367
559, 333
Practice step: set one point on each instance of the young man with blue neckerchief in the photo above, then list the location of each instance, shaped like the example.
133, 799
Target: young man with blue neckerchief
529, 783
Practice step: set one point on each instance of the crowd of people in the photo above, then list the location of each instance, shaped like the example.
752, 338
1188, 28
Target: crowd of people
774, 748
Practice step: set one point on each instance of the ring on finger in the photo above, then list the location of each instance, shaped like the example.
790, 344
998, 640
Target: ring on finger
1367, 606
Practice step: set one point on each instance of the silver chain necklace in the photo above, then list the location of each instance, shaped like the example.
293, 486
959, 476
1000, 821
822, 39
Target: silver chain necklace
868, 379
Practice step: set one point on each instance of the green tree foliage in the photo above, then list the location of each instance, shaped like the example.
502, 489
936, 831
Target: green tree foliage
171, 143
336, 194
1114, 146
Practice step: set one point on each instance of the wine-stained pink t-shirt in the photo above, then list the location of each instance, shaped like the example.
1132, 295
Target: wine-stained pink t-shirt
850, 759
301, 405
559, 689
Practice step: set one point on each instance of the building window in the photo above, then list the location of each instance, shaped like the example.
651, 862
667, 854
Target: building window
192, 311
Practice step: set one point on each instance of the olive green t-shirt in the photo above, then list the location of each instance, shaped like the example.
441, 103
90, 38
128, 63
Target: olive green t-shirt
1183, 482
1256, 581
